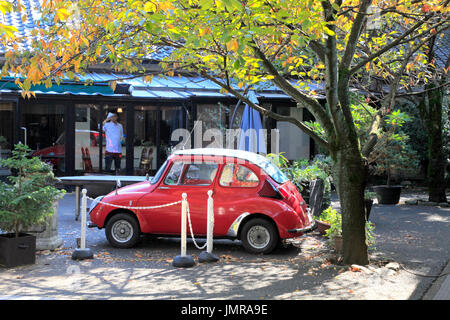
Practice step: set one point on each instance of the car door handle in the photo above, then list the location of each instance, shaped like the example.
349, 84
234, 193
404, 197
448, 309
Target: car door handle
164, 188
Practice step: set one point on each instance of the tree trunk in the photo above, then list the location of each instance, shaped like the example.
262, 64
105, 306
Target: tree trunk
437, 163
351, 175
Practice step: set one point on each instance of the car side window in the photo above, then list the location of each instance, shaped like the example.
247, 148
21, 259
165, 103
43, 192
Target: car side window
201, 174
235, 175
174, 174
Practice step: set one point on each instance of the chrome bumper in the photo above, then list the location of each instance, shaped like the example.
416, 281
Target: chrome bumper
311, 227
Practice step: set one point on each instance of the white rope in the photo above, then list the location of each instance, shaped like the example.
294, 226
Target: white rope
192, 233
156, 207
137, 208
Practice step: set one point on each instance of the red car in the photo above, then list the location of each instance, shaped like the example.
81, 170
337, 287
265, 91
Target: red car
253, 201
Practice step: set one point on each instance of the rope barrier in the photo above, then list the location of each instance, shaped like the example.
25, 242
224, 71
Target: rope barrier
157, 207
179, 261
136, 208
192, 233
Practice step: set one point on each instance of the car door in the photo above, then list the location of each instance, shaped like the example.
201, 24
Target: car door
197, 179
164, 220
236, 189
194, 179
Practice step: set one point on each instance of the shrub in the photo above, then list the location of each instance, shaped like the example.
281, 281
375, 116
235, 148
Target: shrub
28, 198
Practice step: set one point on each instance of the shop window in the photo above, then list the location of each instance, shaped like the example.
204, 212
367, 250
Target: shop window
42, 129
87, 138
6, 134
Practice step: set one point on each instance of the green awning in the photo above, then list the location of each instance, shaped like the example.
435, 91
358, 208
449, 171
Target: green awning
62, 88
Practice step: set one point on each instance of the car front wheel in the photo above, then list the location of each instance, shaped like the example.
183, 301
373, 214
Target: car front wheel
122, 230
259, 236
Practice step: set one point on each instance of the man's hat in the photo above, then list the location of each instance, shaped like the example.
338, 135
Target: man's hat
110, 115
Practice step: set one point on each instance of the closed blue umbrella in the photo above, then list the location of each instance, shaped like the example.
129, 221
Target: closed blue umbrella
252, 135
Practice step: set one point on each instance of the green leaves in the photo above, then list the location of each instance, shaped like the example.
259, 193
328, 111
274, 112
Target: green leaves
28, 198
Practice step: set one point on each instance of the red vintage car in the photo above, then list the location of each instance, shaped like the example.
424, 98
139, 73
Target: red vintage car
253, 201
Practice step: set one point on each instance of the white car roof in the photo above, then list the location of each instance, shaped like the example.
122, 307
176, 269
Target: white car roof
233, 153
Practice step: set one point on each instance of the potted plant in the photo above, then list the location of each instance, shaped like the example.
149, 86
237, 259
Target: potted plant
392, 154
25, 201
324, 221
368, 201
334, 232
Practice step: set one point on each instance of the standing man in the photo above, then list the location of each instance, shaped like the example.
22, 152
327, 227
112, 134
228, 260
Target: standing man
114, 135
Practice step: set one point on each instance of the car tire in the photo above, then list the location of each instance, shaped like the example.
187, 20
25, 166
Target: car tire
122, 230
259, 236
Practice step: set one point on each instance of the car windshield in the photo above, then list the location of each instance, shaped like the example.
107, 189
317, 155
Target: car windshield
158, 174
272, 170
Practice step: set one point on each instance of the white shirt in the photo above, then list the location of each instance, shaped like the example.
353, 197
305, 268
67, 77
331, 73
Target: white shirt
114, 134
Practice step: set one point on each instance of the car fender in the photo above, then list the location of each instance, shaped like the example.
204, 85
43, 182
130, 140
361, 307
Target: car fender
283, 216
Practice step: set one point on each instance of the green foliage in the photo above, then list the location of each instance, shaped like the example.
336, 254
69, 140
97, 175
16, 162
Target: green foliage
362, 114
415, 129
3, 141
392, 151
334, 218
303, 171
369, 195
28, 198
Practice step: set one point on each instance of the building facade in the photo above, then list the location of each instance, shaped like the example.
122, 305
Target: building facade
63, 124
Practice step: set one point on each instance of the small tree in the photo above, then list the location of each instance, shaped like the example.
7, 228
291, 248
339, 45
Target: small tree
28, 198
392, 151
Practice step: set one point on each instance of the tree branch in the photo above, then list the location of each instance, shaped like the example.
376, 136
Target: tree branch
267, 112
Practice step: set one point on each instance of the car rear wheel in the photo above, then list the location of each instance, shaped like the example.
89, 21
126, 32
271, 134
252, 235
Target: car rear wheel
122, 230
259, 236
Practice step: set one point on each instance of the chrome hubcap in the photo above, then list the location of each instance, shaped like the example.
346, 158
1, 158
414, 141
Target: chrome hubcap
258, 237
122, 231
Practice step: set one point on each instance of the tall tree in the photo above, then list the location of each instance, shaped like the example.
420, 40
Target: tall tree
431, 109
245, 42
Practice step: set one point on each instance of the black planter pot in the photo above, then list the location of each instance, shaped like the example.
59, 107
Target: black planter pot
388, 194
17, 251
368, 203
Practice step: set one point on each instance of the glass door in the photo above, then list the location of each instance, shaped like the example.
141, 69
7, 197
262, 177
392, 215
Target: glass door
6, 135
145, 137
42, 129
171, 119
87, 138
114, 125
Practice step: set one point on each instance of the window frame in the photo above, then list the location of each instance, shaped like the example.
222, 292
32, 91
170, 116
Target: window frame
238, 164
186, 168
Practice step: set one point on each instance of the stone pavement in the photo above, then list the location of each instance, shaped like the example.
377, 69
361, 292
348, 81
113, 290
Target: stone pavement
416, 237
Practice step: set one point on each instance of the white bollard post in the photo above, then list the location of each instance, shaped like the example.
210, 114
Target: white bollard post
183, 224
83, 253
183, 260
83, 219
208, 256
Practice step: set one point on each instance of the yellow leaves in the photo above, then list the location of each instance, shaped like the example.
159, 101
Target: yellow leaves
232, 45
5, 6
113, 85
165, 6
61, 15
84, 40
205, 31
34, 75
150, 6
8, 31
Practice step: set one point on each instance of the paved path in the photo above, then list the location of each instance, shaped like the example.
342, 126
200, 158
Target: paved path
415, 236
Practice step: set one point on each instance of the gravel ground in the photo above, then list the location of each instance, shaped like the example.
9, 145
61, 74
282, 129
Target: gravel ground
417, 237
